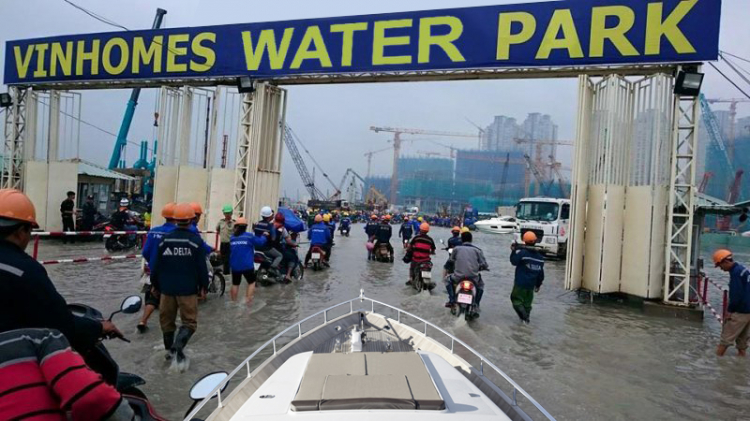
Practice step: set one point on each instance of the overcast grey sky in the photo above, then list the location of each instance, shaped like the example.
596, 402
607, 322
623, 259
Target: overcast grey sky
334, 120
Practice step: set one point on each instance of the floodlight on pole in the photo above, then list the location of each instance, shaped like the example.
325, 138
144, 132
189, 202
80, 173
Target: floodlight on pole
245, 85
688, 83
5, 100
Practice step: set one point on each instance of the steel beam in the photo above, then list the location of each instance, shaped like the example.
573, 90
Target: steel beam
14, 136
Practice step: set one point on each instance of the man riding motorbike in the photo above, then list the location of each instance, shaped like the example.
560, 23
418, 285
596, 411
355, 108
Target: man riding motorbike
331, 226
453, 242
28, 298
285, 245
419, 251
122, 220
383, 235
371, 228
319, 236
468, 260
265, 225
406, 231
345, 224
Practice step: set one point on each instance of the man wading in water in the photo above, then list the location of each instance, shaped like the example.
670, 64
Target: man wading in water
736, 327
529, 275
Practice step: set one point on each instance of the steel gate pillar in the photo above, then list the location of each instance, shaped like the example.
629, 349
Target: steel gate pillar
20, 121
679, 241
259, 149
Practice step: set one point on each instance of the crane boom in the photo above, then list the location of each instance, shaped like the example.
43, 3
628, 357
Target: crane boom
504, 179
714, 132
127, 119
537, 174
315, 193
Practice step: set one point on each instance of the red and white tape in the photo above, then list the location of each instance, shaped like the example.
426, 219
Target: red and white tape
90, 233
89, 259
714, 283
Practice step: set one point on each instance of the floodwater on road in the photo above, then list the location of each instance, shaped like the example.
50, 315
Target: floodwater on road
581, 361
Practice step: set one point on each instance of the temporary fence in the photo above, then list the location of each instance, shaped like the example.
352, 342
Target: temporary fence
702, 292
39, 234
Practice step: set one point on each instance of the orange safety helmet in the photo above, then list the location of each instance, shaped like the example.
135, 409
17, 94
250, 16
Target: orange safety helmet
196, 208
387, 217
183, 212
721, 255
529, 237
167, 212
240, 222
425, 227
455, 229
16, 207
373, 216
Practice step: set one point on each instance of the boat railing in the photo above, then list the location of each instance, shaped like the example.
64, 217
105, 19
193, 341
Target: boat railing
362, 299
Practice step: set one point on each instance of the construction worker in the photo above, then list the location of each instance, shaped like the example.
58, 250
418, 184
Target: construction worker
242, 258
265, 225
371, 228
319, 236
406, 231
28, 298
150, 250
416, 223
286, 245
225, 228
331, 226
529, 275
420, 250
198, 209
67, 211
178, 275
736, 328
453, 242
383, 235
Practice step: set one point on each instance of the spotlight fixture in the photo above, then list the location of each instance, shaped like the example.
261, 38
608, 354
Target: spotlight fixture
5, 100
245, 85
688, 83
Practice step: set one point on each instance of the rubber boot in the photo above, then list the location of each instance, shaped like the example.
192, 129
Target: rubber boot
741, 352
480, 292
168, 343
521, 311
180, 342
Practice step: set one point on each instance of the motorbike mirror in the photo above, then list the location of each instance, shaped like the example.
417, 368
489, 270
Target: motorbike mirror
441, 241
131, 304
206, 384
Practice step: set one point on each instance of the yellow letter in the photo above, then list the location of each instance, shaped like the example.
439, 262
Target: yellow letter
107, 59
655, 28
380, 42
426, 39
616, 34
22, 64
142, 55
173, 51
561, 19
347, 29
41, 50
266, 41
505, 38
65, 59
312, 36
82, 55
208, 54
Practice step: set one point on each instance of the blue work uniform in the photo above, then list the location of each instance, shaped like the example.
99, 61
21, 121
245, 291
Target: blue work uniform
242, 254
529, 268
260, 228
739, 289
206, 248
319, 235
154, 239
179, 268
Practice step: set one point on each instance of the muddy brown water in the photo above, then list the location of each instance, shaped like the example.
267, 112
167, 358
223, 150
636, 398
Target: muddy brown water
581, 361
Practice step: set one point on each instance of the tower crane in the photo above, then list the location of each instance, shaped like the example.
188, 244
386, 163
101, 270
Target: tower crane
538, 157
369, 158
348, 172
732, 118
315, 193
537, 174
397, 132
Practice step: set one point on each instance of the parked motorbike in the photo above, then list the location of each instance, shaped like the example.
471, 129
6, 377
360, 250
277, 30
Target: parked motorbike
466, 292
421, 276
100, 360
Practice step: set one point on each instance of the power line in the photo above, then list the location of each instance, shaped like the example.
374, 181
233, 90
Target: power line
731, 66
735, 56
97, 17
728, 79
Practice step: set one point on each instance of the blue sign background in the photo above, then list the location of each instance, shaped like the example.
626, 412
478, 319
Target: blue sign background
477, 44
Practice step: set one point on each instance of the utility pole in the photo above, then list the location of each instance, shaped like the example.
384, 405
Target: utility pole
394, 177
205, 140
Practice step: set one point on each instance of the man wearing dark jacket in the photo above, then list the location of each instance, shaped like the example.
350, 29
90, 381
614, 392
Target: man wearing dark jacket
67, 211
89, 212
383, 235
28, 299
529, 275
178, 274
736, 328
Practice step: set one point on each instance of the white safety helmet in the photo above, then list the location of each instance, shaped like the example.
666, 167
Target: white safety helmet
124, 202
266, 212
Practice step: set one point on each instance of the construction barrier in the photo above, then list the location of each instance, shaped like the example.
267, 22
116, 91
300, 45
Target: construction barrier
703, 282
39, 234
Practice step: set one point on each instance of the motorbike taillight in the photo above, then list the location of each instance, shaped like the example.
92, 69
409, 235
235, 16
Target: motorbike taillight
258, 259
467, 285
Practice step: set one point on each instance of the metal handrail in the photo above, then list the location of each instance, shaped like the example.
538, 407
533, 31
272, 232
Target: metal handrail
362, 298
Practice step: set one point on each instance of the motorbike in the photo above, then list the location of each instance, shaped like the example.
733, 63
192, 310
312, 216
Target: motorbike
448, 263
120, 242
344, 230
100, 360
266, 276
382, 254
216, 281
421, 276
466, 292
316, 257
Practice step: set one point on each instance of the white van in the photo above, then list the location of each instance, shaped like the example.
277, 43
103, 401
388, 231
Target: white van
549, 219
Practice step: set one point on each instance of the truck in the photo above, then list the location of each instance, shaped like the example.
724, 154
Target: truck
549, 219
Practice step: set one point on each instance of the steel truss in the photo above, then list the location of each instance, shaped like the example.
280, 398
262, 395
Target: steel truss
15, 135
385, 76
677, 279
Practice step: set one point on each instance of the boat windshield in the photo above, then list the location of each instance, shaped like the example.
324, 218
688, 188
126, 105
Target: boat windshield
537, 211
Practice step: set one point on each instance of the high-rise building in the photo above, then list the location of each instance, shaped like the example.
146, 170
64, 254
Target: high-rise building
501, 133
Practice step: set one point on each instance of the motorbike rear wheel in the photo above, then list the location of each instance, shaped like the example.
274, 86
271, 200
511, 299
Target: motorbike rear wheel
218, 284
